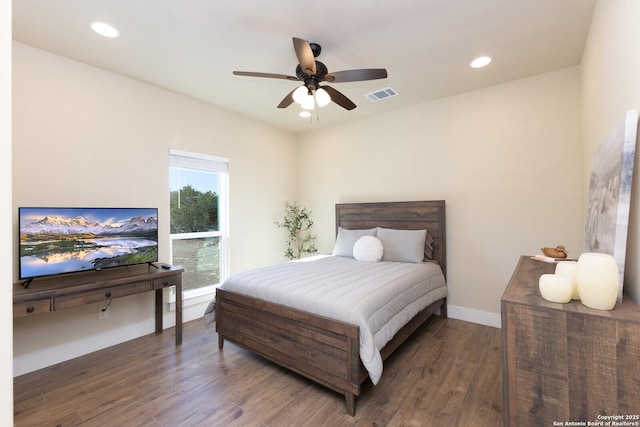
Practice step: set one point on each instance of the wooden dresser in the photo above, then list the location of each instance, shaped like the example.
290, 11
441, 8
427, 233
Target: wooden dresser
566, 362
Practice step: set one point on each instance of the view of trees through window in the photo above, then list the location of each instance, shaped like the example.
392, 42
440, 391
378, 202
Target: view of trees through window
196, 237
193, 211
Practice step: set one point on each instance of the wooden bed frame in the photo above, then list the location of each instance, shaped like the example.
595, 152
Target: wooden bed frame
319, 348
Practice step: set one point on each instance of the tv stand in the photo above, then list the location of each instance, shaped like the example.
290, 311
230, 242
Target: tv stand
76, 289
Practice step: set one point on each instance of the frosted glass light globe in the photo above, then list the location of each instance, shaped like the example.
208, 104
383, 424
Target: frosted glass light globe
308, 103
299, 95
322, 97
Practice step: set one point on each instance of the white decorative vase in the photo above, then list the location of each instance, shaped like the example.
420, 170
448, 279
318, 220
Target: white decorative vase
555, 288
598, 280
569, 269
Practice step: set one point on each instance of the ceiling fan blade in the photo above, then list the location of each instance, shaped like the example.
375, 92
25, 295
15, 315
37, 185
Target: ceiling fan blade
356, 75
267, 75
287, 100
305, 56
339, 98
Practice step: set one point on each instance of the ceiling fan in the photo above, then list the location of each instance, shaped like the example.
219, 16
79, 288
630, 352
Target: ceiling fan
312, 73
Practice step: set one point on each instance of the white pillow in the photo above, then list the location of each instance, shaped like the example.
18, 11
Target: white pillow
347, 238
368, 248
402, 245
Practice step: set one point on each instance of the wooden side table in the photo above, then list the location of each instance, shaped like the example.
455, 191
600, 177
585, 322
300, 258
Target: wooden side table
71, 290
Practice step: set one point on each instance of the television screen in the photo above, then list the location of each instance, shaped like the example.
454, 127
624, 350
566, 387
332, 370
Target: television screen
67, 240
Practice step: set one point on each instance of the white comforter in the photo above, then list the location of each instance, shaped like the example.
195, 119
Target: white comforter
379, 297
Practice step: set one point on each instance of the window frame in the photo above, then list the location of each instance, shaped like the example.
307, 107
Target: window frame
219, 165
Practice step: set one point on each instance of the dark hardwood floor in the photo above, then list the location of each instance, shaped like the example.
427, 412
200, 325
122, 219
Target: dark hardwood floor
447, 374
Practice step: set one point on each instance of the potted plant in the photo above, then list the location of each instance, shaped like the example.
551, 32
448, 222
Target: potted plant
297, 221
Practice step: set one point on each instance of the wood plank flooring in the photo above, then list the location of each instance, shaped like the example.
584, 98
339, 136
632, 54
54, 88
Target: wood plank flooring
447, 374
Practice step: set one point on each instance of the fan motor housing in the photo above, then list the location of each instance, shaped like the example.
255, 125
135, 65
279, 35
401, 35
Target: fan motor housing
316, 49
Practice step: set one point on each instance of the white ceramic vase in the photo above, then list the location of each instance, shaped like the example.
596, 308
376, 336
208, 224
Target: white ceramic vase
555, 288
569, 269
598, 280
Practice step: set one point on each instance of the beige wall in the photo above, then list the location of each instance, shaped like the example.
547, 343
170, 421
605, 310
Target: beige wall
87, 137
511, 161
507, 161
610, 87
6, 229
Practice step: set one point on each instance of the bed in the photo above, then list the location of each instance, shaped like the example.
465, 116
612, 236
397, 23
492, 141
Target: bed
326, 348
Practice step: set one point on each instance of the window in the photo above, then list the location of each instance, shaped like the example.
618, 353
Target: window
198, 200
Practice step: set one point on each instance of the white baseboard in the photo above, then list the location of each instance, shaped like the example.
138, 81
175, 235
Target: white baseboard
49, 356
486, 318
475, 316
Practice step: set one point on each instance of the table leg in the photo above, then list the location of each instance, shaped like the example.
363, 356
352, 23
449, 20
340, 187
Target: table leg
158, 311
179, 313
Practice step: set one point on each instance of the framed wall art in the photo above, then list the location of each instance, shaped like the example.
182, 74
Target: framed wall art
610, 193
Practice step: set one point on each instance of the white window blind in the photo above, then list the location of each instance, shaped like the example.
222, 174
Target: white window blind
185, 159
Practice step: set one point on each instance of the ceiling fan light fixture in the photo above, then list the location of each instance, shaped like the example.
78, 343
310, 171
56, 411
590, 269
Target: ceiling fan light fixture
312, 72
305, 113
322, 97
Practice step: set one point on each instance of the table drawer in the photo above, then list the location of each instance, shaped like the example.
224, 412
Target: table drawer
165, 282
83, 298
29, 308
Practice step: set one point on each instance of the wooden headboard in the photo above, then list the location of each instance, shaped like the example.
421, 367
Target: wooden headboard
429, 215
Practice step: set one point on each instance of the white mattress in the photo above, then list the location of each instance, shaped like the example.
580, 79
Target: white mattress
379, 297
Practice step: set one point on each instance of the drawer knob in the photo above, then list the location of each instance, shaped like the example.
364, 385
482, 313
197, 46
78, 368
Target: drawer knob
31, 309
165, 283
107, 294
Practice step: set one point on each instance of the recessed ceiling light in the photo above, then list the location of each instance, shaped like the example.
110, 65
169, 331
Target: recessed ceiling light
480, 62
105, 30
305, 114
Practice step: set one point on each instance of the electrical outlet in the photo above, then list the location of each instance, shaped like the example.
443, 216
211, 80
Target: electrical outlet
103, 313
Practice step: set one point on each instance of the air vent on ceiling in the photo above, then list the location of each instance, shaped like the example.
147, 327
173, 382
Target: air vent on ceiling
381, 94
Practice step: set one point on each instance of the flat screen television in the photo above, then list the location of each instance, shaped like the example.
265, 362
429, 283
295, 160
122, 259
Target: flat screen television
67, 240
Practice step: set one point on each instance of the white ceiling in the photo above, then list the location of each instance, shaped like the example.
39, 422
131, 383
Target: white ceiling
192, 46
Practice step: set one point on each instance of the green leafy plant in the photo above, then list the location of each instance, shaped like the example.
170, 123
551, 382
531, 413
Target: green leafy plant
297, 221
193, 211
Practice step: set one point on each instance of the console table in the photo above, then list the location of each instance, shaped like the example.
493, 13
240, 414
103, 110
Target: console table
55, 293
566, 362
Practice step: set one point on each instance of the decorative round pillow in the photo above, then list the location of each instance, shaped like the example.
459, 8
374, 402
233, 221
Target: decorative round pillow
368, 248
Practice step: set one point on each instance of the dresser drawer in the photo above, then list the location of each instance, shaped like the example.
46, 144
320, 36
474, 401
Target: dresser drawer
29, 308
83, 298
